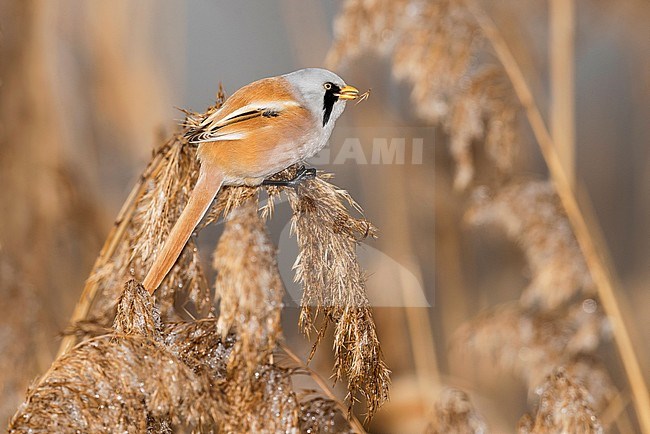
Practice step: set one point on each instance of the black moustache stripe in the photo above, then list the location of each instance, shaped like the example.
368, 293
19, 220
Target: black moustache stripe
328, 102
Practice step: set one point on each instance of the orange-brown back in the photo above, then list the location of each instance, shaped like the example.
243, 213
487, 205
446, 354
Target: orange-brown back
262, 149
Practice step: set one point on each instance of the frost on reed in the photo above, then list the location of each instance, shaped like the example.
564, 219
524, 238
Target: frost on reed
436, 46
454, 413
120, 382
259, 401
564, 406
323, 416
334, 287
146, 376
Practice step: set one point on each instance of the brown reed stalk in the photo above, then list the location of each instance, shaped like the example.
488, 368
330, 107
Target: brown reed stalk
600, 271
561, 54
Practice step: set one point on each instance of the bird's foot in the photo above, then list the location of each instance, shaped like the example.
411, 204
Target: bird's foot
302, 174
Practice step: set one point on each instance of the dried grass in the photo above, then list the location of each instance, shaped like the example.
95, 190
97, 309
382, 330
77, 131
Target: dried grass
533, 344
153, 218
583, 224
259, 401
140, 229
553, 326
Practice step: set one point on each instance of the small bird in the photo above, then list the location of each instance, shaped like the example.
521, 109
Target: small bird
263, 128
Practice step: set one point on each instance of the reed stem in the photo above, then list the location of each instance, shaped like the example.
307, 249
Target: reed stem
562, 113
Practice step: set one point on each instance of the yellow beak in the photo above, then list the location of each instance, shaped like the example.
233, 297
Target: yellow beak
348, 92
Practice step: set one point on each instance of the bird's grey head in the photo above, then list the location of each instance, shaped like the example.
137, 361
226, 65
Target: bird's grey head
322, 92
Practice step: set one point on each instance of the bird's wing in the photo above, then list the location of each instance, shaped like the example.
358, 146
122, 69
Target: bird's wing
251, 107
234, 125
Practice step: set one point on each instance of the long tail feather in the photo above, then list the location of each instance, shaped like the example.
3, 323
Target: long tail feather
205, 190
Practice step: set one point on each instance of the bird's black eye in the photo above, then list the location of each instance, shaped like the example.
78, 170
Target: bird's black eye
327, 86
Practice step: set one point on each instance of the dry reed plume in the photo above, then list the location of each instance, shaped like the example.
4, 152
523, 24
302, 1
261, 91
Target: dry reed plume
531, 215
436, 46
119, 381
222, 369
160, 377
454, 413
465, 79
334, 287
248, 285
564, 406
142, 225
532, 344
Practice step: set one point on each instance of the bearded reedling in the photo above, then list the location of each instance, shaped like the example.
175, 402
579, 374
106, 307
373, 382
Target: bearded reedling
262, 129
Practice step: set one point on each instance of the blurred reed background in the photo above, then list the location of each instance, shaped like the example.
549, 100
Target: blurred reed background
88, 88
